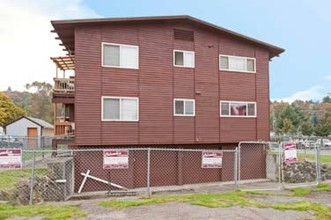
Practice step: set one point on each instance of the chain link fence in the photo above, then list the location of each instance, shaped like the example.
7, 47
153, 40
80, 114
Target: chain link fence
127, 171
36, 175
24, 142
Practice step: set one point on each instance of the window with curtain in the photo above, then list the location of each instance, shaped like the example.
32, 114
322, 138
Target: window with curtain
119, 109
237, 109
184, 58
184, 107
237, 64
121, 56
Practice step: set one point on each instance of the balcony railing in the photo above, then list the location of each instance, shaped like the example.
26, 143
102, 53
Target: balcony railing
64, 85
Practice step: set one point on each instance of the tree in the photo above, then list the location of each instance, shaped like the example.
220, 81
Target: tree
41, 100
307, 128
323, 128
288, 120
8, 110
287, 126
326, 99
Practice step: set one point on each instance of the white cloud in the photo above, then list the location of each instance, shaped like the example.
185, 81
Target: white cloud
327, 77
313, 93
25, 39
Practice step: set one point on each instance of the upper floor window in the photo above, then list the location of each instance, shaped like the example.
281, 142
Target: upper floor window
120, 55
239, 64
120, 108
184, 58
184, 107
237, 109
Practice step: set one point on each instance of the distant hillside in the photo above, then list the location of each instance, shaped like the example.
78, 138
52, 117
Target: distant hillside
36, 104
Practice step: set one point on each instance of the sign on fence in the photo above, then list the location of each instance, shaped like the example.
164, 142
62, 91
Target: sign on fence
10, 158
290, 153
115, 159
212, 159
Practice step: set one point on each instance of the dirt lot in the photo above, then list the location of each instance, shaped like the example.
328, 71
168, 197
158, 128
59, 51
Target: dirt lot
181, 210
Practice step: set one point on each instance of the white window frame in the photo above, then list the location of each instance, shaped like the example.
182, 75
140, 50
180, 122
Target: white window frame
183, 51
120, 45
231, 70
184, 100
237, 116
120, 105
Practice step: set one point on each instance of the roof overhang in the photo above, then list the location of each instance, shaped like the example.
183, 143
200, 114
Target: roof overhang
65, 29
64, 63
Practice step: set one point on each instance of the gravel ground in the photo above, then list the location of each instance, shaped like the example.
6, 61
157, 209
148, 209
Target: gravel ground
186, 211
174, 210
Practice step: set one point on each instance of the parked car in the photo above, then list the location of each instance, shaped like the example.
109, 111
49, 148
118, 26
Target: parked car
326, 143
8, 141
306, 144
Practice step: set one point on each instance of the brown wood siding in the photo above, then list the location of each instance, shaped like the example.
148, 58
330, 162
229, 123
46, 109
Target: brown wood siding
119, 82
157, 82
262, 96
206, 85
87, 86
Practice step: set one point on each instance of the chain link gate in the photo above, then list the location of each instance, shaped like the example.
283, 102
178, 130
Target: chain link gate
259, 166
304, 171
263, 166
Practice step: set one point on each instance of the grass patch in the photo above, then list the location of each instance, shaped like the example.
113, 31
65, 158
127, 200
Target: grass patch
224, 200
301, 191
26, 156
48, 212
322, 212
325, 159
10, 177
323, 187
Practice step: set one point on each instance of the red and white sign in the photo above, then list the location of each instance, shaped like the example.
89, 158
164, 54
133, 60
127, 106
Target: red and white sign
212, 159
10, 158
290, 153
115, 159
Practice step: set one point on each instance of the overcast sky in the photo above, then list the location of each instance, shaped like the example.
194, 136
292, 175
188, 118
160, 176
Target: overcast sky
302, 27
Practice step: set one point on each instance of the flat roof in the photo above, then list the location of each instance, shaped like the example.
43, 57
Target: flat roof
65, 29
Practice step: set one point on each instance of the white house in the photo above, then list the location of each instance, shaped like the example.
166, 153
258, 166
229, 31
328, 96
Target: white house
29, 130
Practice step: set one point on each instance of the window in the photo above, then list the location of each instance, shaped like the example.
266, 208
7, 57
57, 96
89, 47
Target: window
184, 58
120, 108
239, 64
121, 56
184, 107
238, 109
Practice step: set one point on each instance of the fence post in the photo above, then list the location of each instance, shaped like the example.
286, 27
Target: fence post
238, 165
236, 168
148, 171
32, 178
318, 161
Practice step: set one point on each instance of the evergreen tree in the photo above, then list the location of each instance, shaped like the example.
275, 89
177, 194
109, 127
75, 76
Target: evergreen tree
8, 110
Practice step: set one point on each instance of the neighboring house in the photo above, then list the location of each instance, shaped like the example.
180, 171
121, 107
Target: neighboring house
173, 81
29, 130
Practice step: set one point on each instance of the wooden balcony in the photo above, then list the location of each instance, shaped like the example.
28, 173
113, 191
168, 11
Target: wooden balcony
64, 90
64, 85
